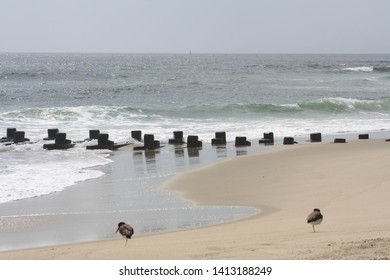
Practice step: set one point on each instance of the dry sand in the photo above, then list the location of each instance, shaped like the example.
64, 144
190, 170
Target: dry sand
349, 182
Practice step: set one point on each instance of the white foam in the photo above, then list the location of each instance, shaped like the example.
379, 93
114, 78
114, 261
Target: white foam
30, 171
348, 102
359, 69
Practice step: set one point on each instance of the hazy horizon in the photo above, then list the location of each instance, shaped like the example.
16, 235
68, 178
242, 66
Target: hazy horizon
203, 27
192, 53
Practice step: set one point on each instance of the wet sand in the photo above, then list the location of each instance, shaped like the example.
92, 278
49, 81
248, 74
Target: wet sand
129, 191
349, 182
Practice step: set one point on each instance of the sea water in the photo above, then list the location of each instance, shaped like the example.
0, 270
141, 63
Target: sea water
243, 95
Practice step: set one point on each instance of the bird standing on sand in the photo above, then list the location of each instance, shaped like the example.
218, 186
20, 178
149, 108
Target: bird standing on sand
125, 230
315, 218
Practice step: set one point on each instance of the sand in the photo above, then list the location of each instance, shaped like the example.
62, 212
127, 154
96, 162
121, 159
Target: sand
349, 182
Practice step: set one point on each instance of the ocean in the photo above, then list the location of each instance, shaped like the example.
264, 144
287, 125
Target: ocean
199, 94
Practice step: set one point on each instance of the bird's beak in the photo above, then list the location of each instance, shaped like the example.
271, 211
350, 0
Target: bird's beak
117, 230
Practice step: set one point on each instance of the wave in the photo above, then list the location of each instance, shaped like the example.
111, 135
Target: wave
359, 69
16, 75
118, 114
324, 105
347, 105
382, 68
80, 113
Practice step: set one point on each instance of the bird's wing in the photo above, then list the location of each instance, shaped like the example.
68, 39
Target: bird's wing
315, 216
127, 231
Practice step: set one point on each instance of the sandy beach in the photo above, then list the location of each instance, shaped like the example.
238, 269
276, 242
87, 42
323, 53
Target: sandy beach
349, 182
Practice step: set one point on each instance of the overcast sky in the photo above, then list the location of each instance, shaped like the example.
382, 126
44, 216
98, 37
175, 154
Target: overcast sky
202, 26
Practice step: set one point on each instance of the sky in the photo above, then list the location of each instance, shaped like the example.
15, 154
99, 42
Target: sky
199, 26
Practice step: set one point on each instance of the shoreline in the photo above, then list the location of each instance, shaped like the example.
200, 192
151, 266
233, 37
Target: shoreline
128, 191
279, 231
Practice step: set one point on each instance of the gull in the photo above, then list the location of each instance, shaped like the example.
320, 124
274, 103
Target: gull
315, 218
125, 230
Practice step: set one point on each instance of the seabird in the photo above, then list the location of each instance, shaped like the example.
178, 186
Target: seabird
315, 218
125, 230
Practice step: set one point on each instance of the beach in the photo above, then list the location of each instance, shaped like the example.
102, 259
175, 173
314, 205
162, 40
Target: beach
349, 182
210, 202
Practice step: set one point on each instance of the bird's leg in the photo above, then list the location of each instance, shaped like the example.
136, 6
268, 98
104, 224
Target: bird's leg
313, 229
126, 242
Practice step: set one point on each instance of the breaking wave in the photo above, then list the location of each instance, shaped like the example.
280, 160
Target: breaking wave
97, 115
384, 68
321, 106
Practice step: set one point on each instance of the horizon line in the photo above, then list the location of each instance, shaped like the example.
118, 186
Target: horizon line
197, 53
